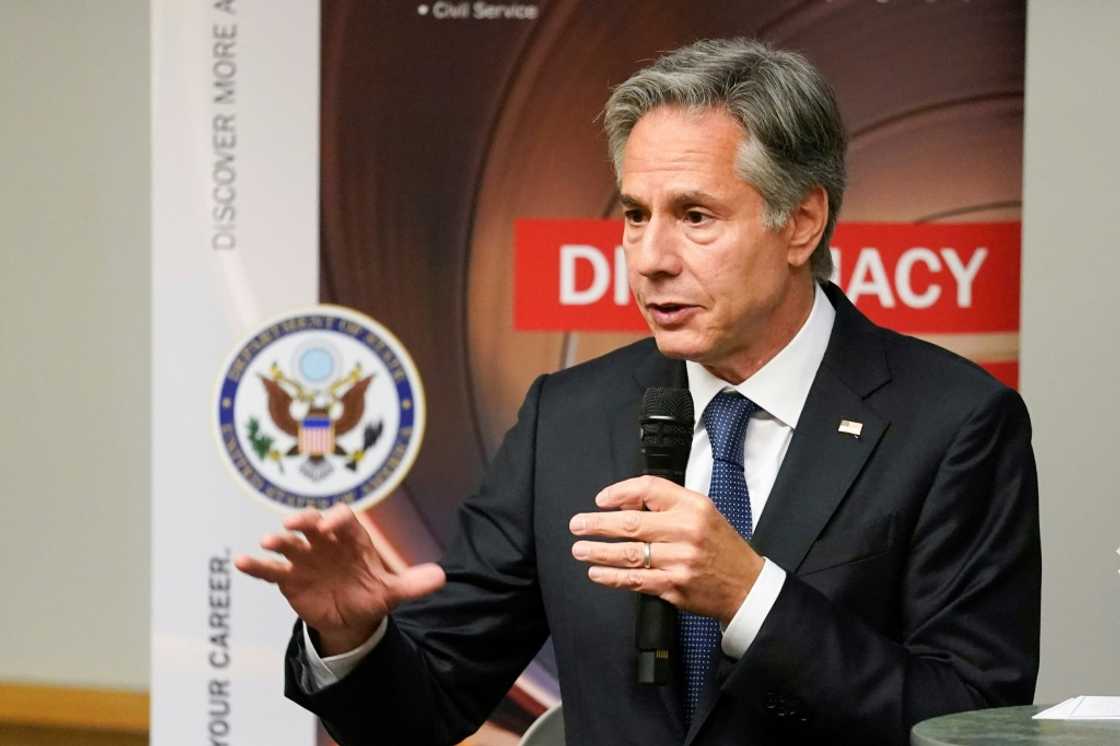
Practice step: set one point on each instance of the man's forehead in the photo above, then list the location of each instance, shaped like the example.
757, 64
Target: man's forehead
680, 154
674, 138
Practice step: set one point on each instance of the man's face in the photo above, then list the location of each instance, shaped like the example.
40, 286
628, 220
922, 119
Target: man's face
710, 279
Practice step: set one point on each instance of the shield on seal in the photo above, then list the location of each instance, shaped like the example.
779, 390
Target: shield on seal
316, 435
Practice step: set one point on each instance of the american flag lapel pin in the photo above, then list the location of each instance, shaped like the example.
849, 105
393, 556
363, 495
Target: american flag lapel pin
849, 427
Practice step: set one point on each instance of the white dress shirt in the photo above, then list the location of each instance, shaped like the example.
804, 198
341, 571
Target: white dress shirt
780, 389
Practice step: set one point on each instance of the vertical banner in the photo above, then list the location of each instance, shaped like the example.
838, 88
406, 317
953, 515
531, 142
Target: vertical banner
235, 242
468, 202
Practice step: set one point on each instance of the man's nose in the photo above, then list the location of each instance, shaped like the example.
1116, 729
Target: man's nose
655, 250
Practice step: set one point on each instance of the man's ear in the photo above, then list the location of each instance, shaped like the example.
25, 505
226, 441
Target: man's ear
806, 225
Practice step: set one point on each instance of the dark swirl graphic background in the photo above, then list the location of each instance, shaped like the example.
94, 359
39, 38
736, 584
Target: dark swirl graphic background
437, 134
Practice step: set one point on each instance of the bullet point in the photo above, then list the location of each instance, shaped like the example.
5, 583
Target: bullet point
422, 9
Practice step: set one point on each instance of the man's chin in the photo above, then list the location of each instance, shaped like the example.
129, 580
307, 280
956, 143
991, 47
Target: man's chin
674, 346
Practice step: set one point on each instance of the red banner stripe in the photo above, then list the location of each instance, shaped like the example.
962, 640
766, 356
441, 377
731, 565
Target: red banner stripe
919, 278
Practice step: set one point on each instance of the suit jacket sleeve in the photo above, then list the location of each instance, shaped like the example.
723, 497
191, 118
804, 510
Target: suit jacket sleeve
446, 661
968, 621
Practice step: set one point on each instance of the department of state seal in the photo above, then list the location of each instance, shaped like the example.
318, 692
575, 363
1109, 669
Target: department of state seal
320, 407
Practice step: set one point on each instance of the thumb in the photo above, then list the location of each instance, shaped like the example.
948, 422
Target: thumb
417, 581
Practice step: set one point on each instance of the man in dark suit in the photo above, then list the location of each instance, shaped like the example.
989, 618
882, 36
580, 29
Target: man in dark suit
856, 544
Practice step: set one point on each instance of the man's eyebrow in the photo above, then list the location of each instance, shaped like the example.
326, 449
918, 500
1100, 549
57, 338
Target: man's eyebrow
682, 199
693, 197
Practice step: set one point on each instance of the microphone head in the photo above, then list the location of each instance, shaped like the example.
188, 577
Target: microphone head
668, 403
666, 428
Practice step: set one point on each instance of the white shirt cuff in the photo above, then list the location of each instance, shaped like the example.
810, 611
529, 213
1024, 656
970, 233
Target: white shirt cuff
334, 668
746, 623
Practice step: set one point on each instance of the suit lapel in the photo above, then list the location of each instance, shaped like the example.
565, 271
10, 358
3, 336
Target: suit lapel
819, 467
821, 462
626, 457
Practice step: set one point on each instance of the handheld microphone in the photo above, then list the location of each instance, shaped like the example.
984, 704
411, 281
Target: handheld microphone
667, 422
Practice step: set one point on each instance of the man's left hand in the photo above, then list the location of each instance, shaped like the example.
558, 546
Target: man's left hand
699, 562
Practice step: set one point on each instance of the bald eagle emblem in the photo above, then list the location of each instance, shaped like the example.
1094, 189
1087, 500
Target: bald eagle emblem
321, 407
315, 418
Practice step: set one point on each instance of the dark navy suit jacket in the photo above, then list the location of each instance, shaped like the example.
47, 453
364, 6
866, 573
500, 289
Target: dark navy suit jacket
912, 552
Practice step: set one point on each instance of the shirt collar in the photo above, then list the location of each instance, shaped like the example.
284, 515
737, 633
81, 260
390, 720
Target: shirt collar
781, 386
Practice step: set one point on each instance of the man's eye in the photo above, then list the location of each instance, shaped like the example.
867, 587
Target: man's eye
634, 216
695, 217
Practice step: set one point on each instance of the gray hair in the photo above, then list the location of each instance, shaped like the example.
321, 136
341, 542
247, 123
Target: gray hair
795, 137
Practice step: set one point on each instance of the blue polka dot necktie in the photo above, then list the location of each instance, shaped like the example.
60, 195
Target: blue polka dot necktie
725, 420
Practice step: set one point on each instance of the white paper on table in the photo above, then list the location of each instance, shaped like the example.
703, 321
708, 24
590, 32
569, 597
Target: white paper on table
1083, 708
1059, 711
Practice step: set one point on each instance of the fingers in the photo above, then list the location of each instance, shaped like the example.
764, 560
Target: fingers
273, 571
653, 582
340, 519
415, 582
305, 521
626, 553
292, 546
337, 523
313, 538
645, 492
625, 524
672, 512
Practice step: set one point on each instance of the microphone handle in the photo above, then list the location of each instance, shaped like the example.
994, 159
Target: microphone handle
656, 619
657, 624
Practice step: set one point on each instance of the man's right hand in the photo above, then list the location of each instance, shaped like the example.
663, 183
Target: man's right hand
333, 577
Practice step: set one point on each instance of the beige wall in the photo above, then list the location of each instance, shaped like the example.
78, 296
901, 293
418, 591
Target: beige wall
74, 321
1070, 354
74, 306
